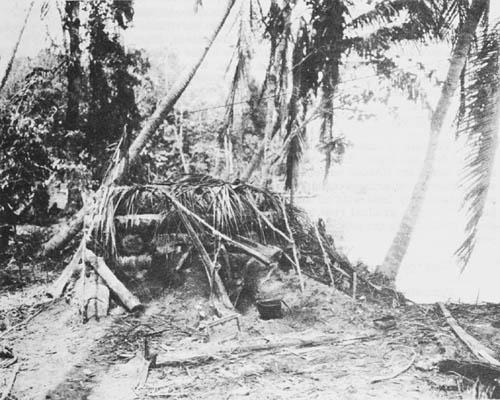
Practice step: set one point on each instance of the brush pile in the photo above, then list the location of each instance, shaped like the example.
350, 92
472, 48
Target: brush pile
228, 229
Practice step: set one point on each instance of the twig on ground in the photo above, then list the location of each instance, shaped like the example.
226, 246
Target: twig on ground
397, 373
25, 322
8, 388
214, 352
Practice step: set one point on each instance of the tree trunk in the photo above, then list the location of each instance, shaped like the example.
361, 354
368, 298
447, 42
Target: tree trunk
72, 25
269, 94
277, 88
73, 74
326, 135
130, 301
400, 244
8, 67
118, 170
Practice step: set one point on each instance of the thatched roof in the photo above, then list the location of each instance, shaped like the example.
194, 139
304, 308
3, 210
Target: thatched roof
214, 209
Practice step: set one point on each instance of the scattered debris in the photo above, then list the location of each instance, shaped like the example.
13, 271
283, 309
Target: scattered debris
484, 373
224, 328
26, 321
7, 357
210, 352
386, 322
397, 373
8, 388
483, 353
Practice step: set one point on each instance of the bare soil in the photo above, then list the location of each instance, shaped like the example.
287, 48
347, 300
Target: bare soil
61, 358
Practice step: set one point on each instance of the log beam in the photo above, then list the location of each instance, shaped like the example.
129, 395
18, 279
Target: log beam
130, 301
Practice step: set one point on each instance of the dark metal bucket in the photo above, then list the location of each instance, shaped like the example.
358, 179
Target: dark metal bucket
270, 309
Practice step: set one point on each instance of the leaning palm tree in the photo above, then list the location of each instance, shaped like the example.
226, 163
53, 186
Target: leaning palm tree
332, 34
8, 66
464, 40
120, 164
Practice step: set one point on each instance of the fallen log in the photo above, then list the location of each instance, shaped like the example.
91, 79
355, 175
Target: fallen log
131, 302
57, 288
212, 351
133, 220
482, 352
134, 262
65, 233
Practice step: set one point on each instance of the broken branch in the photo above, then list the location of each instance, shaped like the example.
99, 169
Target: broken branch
166, 359
397, 373
8, 388
482, 352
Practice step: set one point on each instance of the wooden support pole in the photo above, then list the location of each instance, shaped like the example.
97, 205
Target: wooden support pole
325, 256
131, 302
96, 297
246, 249
213, 276
134, 262
57, 288
294, 248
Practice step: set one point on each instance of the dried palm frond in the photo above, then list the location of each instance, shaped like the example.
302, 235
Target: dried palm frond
230, 208
479, 126
396, 21
215, 211
436, 17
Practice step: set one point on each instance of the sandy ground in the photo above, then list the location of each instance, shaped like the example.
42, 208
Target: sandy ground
61, 358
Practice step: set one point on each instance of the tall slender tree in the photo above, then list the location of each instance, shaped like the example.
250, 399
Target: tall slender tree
118, 168
8, 65
74, 70
464, 40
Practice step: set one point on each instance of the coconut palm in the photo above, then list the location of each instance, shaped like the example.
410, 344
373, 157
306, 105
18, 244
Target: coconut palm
464, 40
120, 164
413, 20
330, 34
8, 66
